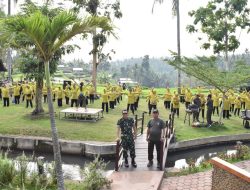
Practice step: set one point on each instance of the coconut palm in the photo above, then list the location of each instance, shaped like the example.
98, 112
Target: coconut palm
47, 36
176, 12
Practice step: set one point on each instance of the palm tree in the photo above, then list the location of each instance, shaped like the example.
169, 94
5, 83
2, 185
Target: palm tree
176, 12
48, 35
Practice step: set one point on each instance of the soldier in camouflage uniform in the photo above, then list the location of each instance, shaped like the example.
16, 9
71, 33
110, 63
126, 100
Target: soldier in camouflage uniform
127, 131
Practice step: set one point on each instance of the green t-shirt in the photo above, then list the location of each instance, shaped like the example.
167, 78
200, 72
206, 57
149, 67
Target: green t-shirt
155, 127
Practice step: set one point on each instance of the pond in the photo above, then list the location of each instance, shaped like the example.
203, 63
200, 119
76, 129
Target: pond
179, 159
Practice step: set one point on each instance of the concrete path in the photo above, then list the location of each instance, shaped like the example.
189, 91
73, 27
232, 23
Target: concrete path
137, 180
198, 181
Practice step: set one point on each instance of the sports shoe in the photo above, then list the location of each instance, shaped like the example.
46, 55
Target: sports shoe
150, 163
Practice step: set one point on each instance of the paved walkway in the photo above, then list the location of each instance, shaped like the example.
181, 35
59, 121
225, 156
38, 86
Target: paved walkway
198, 181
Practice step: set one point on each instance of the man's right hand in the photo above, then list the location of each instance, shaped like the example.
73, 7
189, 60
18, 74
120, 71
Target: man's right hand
118, 139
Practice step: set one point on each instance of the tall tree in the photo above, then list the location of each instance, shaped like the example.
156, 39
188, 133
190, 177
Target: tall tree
111, 10
175, 12
220, 20
48, 35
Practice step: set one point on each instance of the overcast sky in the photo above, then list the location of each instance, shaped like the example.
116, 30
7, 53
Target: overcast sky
140, 32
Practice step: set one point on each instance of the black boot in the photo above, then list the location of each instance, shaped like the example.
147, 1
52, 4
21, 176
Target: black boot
126, 163
133, 163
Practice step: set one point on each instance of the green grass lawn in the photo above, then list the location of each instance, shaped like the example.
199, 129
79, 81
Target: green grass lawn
16, 120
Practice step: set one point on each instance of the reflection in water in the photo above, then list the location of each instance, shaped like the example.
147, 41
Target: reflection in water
179, 159
72, 164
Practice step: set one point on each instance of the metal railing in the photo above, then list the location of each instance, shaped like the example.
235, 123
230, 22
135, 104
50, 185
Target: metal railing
119, 154
166, 142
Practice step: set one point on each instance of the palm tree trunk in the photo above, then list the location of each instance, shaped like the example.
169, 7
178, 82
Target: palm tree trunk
94, 70
38, 97
56, 146
178, 43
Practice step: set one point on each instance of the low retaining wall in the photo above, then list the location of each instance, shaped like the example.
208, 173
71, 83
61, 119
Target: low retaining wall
40, 144
195, 143
226, 175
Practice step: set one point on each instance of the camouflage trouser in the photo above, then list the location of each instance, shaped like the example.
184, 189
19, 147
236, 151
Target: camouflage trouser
128, 145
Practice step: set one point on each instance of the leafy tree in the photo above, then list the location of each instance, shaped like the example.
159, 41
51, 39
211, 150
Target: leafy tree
110, 10
48, 35
205, 69
220, 21
145, 62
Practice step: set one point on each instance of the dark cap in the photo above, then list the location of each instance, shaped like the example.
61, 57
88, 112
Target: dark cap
124, 111
155, 111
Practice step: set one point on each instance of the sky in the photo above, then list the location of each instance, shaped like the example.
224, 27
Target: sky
140, 32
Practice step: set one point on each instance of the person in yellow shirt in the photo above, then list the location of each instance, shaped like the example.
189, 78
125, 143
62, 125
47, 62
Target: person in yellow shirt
167, 99
188, 97
226, 107
242, 98
105, 100
176, 104
112, 96
131, 100
59, 95
137, 92
6, 96
28, 96
216, 102
74, 95
153, 99
17, 93
231, 100
182, 96
237, 105
91, 94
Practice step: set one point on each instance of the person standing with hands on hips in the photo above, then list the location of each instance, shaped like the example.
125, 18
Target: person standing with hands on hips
126, 131
155, 134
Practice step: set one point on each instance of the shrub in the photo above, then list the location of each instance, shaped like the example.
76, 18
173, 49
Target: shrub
93, 175
7, 170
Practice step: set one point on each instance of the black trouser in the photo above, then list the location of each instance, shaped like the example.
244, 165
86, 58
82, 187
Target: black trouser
118, 99
54, 97
176, 111
67, 100
209, 116
187, 104
112, 104
151, 145
91, 98
44, 98
167, 104
29, 102
151, 106
73, 101
182, 99
237, 110
217, 110
243, 105
6, 102
121, 97
59, 102
203, 113
226, 114
23, 97
115, 102
232, 108
131, 108
196, 115
137, 103
107, 106
17, 99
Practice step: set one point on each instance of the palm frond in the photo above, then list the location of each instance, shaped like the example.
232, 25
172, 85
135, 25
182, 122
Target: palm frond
174, 5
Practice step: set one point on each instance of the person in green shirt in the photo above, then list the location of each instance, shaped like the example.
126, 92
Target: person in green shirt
126, 132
